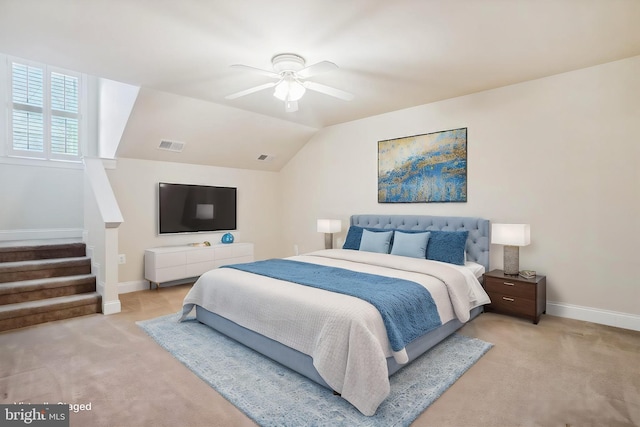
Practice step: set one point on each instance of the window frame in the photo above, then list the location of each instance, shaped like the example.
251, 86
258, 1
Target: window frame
47, 113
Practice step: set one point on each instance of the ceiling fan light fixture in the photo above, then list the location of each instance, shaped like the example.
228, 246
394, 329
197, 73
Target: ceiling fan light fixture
289, 90
291, 74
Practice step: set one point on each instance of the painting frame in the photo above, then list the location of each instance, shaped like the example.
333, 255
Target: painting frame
425, 168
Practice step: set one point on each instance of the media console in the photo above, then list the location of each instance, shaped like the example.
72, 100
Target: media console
169, 263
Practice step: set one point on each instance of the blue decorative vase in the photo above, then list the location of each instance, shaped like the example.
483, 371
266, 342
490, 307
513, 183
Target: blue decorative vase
227, 238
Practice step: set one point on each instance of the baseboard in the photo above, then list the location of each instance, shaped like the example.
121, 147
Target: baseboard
595, 315
42, 234
111, 307
133, 286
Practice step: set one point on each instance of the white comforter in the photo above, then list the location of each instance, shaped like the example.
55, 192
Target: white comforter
344, 335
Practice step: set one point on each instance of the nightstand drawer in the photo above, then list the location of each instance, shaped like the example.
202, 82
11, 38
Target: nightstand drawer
511, 288
512, 304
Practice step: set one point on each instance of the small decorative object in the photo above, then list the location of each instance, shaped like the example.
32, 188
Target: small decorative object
423, 168
227, 238
512, 236
527, 274
207, 243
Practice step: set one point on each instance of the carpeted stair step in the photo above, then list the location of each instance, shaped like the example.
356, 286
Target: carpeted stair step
42, 269
22, 251
32, 290
13, 316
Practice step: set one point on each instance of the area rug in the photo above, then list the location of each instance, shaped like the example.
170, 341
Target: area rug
273, 395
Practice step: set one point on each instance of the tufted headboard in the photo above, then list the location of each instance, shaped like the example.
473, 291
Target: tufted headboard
478, 242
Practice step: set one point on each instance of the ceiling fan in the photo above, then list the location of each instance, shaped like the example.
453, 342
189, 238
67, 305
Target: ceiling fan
291, 84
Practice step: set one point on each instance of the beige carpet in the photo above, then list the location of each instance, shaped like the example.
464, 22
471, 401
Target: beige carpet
557, 373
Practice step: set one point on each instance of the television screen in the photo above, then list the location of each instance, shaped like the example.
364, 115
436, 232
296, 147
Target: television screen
187, 208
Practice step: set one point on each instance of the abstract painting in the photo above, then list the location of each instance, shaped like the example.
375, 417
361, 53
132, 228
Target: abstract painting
423, 168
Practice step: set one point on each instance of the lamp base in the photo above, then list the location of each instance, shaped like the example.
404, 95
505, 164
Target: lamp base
328, 240
511, 260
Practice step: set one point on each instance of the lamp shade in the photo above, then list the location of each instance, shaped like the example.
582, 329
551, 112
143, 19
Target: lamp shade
511, 234
329, 225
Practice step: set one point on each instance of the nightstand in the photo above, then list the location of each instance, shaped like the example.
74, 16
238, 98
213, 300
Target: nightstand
515, 295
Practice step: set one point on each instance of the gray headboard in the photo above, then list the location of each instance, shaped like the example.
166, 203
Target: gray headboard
478, 242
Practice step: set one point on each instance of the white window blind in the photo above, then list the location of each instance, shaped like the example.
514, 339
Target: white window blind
64, 114
45, 115
28, 92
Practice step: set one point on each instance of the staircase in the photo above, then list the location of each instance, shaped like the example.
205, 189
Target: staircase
44, 281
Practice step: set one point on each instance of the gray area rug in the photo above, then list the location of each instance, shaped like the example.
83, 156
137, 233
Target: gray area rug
273, 395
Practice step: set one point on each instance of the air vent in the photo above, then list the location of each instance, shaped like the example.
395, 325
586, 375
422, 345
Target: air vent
174, 146
266, 157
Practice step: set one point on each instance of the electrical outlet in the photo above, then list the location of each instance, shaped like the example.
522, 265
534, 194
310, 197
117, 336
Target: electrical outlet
122, 259
295, 249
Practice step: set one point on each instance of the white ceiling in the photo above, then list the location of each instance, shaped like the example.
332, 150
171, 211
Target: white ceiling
392, 54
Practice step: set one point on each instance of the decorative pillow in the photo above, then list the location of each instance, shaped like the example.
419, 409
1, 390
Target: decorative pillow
410, 244
354, 235
447, 246
375, 241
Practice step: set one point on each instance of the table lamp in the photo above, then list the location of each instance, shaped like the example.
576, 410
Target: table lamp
329, 226
512, 236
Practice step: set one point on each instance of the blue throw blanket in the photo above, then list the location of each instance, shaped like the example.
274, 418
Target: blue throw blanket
407, 308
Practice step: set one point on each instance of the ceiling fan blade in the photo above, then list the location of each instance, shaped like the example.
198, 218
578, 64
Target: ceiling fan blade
328, 90
251, 90
315, 69
257, 70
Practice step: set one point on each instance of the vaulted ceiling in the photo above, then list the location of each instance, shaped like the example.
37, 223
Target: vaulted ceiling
391, 55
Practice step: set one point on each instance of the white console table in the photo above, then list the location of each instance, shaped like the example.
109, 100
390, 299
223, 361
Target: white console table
168, 263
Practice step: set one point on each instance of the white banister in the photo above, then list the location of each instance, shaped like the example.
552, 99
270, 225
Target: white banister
102, 219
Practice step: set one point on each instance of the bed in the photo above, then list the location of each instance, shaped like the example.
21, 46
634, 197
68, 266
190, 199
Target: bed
340, 339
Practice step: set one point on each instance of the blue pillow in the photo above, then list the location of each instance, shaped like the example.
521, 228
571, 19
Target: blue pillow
375, 241
354, 236
410, 244
447, 246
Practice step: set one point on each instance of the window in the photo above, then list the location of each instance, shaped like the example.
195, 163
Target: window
45, 116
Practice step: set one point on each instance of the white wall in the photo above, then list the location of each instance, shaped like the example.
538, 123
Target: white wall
560, 153
135, 185
116, 101
37, 197
43, 199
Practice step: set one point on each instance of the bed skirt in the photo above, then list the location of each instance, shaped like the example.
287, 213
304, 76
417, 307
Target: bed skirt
303, 363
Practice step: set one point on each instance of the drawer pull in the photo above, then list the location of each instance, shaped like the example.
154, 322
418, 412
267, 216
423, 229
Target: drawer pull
508, 299
508, 283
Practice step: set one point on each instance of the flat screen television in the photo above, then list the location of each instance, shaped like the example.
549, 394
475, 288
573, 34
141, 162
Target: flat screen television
184, 208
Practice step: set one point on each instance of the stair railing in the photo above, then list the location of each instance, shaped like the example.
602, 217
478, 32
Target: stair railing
102, 217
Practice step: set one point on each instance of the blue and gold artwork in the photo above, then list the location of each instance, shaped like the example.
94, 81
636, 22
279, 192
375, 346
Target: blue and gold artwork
423, 168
